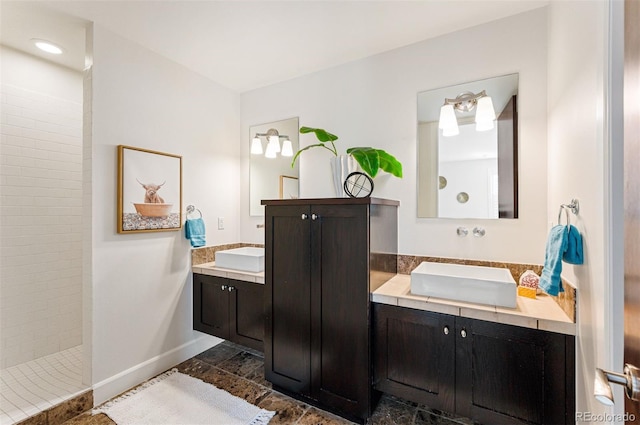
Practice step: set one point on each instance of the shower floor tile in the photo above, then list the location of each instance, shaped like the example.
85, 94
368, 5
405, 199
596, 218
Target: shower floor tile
32, 387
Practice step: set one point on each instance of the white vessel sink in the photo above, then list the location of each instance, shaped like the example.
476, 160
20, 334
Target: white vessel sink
475, 284
248, 259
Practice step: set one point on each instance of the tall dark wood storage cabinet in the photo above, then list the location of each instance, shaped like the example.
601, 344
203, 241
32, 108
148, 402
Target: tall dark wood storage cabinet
323, 258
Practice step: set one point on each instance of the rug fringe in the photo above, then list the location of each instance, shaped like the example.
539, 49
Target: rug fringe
262, 418
105, 406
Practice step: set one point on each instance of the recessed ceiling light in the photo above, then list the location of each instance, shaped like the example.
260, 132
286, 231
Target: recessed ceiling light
47, 46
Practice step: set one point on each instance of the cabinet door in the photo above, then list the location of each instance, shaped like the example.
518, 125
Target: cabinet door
340, 371
246, 314
512, 375
287, 300
414, 355
211, 305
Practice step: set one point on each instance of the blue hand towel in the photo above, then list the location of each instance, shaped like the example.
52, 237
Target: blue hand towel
550, 280
194, 231
573, 253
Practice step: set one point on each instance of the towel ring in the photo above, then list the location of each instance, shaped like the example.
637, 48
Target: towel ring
574, 206
566, 211
191, 209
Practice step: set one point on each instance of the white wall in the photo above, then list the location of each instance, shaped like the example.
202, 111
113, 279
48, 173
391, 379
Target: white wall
580, 151
475, 178
41, 192
372, 102
141, 283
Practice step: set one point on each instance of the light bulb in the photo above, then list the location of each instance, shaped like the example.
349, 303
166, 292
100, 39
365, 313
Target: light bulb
47, 46
256, 146
485, 114
287, 149
271, 151
275, 142
448, 122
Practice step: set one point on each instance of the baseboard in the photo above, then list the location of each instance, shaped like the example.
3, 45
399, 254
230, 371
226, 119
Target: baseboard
125, 380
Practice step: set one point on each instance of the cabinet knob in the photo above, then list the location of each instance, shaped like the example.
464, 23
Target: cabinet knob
224, 287
231, 288
314, 217
304, 216
463, 333
446, 330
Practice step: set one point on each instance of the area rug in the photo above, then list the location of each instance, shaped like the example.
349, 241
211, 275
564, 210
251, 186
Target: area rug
176, 398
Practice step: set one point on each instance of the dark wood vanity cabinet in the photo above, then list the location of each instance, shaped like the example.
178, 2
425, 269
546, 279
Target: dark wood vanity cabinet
320, 266
415, 355
489, 372
229, 309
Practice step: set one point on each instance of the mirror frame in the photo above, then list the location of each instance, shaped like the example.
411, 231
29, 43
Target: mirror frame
505, 94
279, 168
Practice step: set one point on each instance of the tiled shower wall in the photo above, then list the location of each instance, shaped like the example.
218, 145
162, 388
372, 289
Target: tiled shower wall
41, 219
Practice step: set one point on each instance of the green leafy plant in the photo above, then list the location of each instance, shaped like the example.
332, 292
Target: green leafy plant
371, 160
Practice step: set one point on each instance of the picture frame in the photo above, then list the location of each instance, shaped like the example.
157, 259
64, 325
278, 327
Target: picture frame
289, 187
149, 191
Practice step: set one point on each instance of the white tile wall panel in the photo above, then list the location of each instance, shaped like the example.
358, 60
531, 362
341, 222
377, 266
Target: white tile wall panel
40, 233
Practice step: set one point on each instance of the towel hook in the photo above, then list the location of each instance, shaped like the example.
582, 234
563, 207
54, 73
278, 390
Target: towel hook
191, 209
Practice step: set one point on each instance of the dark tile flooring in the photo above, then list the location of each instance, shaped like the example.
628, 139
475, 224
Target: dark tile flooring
240, 371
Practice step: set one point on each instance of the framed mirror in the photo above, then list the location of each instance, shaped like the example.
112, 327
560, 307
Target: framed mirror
270, 172
468, 150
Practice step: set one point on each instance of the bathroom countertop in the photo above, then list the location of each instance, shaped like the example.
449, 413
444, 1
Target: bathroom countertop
211, 270
541, 313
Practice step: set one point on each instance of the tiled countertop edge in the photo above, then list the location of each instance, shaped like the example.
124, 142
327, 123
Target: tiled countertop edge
396, 296
211, 270
566, 300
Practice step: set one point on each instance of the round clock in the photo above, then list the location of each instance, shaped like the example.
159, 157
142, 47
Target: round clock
358, 185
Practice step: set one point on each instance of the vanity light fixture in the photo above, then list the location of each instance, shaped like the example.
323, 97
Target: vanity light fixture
270, 152
274, 139
448, 122
287, 148
256, 146
47, 46
273, 144
466, 102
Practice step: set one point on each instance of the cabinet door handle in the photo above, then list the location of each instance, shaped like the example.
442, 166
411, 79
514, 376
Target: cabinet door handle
223, 287
463, 333
304, 216
314, 217
446, 330
231, 288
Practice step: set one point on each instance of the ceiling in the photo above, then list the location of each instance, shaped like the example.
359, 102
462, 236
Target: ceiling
245, 45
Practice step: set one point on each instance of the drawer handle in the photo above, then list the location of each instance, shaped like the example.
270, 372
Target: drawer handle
314, 217
463, 333
446, 330
304, 216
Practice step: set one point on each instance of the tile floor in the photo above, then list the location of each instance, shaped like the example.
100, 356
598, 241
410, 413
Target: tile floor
240, 371
35, 386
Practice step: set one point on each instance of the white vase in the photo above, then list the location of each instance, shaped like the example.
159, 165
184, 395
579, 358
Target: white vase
341, 167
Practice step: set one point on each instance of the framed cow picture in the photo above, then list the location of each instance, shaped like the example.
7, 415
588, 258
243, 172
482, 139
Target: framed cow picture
149, 190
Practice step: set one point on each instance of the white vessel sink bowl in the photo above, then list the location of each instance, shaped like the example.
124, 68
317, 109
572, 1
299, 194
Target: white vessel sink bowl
248, 259
474, 284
